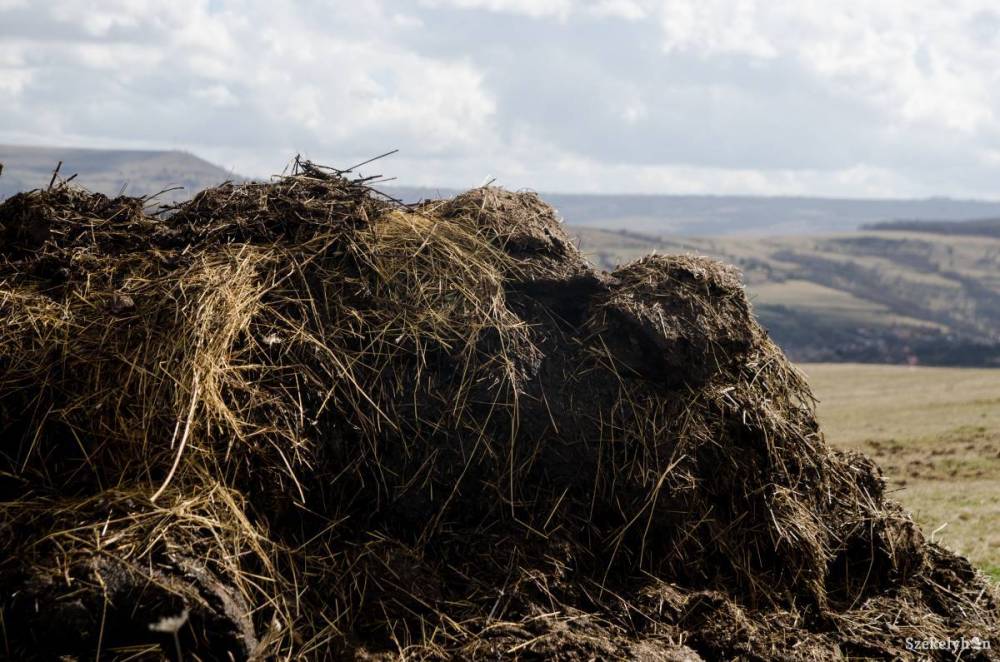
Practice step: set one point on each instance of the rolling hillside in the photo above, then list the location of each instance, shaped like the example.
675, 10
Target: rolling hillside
981, 227
873, 296
109, 171
724, 215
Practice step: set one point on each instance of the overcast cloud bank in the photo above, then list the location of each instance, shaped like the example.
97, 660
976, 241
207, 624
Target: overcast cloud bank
850, 98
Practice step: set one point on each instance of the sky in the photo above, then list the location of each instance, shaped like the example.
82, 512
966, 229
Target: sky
896, 98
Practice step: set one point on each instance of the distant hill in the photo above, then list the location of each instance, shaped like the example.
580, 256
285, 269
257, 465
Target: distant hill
148, 172
883, 297
719, 215
981, 227
109, 171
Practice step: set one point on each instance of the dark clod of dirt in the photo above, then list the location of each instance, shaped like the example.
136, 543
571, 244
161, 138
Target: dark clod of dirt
297, 420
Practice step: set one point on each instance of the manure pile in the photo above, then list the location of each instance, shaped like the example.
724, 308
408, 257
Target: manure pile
297, 420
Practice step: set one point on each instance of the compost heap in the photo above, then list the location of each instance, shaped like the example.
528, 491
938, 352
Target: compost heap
298, 420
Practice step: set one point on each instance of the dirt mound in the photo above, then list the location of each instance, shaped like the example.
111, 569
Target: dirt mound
298, 420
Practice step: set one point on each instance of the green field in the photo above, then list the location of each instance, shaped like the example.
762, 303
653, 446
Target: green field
936, 434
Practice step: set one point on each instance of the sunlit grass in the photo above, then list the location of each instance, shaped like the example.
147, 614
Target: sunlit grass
936, 434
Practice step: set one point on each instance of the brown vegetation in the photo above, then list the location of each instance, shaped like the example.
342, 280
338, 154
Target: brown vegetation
297, 420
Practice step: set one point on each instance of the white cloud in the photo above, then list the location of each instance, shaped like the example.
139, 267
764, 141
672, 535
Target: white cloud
777, 96
861, 180
533, 8
13, 81
634, 110
913, 60
713, 27
217, 95
629, 10
320, 77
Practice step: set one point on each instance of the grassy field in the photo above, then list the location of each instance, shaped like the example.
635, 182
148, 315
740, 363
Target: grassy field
936, 434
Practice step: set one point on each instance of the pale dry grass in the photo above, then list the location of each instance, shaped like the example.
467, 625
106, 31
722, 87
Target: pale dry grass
936, 434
